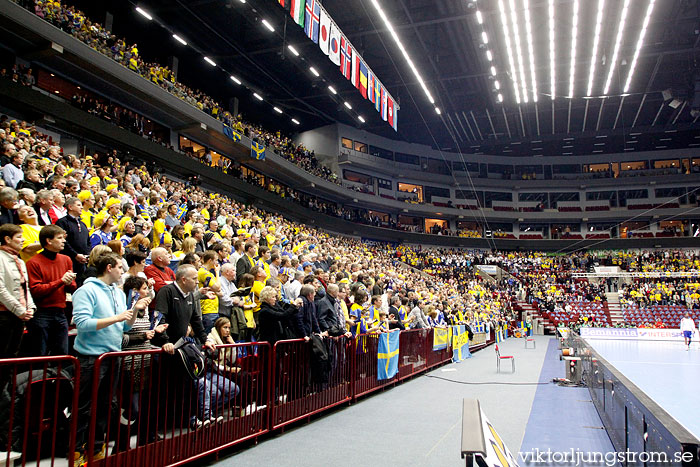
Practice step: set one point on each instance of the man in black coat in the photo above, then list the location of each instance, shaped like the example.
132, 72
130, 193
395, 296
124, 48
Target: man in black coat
77, 237
394, 316
306, 321
246, 262
330, 314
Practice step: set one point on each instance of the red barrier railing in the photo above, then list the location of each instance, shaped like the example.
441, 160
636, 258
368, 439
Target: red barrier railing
141, 408
39, 395
307, 382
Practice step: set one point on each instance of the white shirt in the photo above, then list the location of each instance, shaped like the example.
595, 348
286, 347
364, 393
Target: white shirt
687, 324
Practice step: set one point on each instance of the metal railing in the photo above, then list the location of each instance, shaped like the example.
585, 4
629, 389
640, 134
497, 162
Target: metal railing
141, 407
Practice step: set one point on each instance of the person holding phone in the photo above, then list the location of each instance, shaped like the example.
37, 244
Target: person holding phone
51, 276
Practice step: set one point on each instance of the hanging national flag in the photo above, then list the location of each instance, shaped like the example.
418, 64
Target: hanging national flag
345, 57
257, 151
370, 86
324, 34
312, 17
385, 113
363, 79
231, 133
388, 355
395, 123
296, 11
390, 109
334, 45
377, 94
355, 73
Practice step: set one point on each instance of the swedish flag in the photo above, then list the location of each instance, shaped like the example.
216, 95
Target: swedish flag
460, 343
388, 355
181, 211
257, 151
231, 133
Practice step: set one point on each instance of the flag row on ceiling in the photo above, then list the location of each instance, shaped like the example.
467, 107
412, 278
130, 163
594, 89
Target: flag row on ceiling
320, 28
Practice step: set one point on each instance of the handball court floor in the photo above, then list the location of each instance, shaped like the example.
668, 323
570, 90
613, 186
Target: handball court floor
419, 422
663, 370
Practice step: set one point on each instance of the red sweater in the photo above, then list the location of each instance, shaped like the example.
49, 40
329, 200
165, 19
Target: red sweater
45, 284
161, 277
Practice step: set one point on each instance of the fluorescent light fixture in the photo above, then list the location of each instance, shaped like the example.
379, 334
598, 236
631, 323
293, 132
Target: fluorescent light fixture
395, 36
484, 37
295, 121
278, 110
242, 1
493, 71
509, 50
361, 118
347, 104
267, 24
497, 85
552, 56
210, 61
257, 96
530, 50
332, 90
438, 111
479, 17
640, 41
518, 48
293, 50
313, 70
574, 33
596, 42
179, 39
489, 56
144, 13
500, 97
618, 43
235, 80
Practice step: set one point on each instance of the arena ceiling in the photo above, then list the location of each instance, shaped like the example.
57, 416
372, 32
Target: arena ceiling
445, 39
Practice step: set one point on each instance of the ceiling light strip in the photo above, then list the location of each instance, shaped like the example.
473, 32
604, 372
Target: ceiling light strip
395, 36
596, 43
552, 50
509, 50
518, 49
530, 50
640, 41
574, 33
618, 42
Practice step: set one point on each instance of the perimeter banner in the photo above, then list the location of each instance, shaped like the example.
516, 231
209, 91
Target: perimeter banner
646, 334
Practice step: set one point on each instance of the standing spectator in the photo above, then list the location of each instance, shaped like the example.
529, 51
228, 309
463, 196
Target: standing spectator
50, 277
417, 317
101, 318
228, 286
208, 277
58, 210
44, 201
305, 321
171, 219
12, 173
160, 271
30, 232
77, 246
294, 285
16, 303
246, 262
8, 206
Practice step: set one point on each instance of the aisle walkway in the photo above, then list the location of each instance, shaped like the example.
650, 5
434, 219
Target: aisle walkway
417, 423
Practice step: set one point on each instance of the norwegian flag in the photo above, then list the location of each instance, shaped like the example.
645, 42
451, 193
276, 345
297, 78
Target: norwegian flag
345, 57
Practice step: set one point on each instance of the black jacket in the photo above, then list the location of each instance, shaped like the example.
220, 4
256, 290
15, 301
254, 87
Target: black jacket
77, 236
306, 321
8, 216
399, 324
276, 322
178, 312
325, 311
243, 266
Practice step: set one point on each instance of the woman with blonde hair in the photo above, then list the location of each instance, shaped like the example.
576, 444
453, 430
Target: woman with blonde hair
188, 246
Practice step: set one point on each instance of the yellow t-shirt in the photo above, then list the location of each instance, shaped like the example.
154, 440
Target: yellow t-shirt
31, 235
256, 289
208, 306
158, 230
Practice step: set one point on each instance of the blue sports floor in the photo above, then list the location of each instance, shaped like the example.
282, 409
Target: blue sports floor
665, 371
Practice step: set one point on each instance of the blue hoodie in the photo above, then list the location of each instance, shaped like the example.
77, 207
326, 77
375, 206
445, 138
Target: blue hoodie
93, 301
